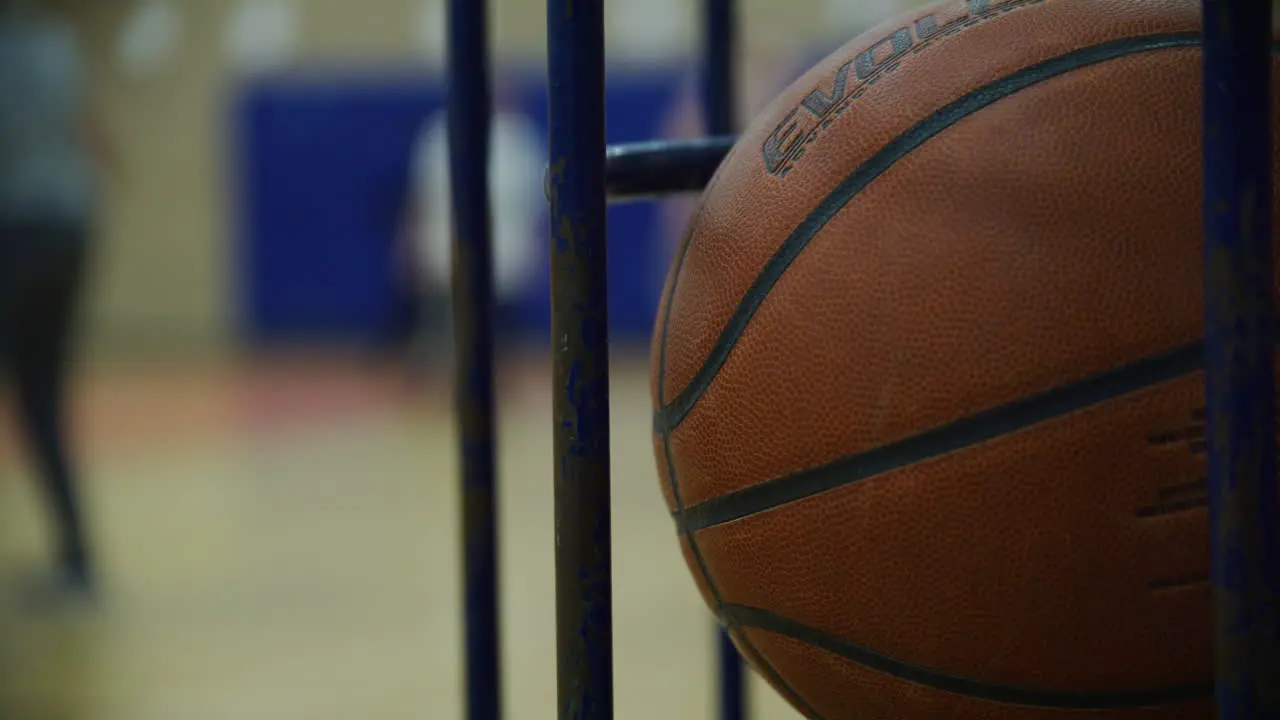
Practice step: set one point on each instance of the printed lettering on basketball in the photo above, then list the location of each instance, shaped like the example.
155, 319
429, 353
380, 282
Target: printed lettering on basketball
776, 146
787, 144
900, 41
820, 103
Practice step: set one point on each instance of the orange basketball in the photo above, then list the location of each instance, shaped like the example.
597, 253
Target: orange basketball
927, 371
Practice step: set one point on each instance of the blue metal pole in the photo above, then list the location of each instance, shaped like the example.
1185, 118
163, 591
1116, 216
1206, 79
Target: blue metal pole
468, 122
580, 342
720, 86
720, 93
733, 685
1240, 367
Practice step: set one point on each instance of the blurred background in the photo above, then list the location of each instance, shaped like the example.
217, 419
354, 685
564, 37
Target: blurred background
260, 416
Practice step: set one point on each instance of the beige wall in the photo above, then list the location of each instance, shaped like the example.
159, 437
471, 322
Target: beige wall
163, 281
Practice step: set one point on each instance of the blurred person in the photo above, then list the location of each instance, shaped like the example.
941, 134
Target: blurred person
517, 156
47, 204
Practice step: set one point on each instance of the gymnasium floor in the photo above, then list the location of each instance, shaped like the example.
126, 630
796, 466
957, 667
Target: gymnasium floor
279, 540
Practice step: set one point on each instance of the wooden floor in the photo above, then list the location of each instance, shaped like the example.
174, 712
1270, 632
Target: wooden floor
279, 540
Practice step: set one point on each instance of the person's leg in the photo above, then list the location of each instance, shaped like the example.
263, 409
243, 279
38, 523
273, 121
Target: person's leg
42, 323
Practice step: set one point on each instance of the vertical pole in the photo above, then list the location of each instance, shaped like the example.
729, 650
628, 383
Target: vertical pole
720, 101
733, 685
1240, 366
579, 344
720, 82
468, 125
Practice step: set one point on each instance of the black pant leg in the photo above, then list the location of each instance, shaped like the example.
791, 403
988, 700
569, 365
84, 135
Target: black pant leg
41, 321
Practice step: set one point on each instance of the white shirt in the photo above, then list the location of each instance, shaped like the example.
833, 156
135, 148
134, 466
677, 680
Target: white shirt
45, 174
517, 204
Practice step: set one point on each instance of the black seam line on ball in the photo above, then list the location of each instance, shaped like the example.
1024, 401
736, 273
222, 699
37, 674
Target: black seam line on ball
978, 689
766, 668
675, 280
668, 417
957, 435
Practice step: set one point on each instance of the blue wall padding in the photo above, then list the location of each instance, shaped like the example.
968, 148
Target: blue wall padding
320, 179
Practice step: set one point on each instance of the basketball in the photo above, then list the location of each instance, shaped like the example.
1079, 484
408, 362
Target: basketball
927, 372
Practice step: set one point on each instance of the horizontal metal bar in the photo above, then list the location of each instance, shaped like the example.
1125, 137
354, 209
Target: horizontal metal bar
637, 171
646, 170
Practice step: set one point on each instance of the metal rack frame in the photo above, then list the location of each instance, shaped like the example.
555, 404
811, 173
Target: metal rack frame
584, 175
